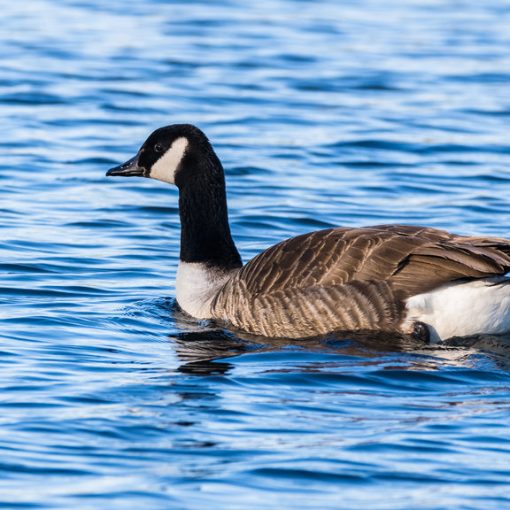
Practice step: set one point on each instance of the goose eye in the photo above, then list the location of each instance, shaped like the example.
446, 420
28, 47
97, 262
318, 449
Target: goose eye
158, 148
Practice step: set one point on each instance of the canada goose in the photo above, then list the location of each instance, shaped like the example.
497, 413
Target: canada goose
389, 278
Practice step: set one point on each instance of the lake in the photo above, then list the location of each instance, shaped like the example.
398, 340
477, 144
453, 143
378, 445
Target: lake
324, 114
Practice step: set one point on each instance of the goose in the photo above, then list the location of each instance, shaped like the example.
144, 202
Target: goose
398, 279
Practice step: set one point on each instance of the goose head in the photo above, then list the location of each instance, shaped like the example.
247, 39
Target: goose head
172, 154
182, 155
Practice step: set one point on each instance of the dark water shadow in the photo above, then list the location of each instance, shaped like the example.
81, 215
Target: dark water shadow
496, 347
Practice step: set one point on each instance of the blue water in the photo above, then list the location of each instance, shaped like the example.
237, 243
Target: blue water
324, 113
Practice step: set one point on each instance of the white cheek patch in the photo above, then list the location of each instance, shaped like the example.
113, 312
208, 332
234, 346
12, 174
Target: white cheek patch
165, 167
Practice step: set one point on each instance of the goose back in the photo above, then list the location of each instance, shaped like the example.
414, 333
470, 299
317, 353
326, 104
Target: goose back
345, 279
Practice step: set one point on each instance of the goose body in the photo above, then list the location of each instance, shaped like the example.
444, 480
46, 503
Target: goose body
389, 278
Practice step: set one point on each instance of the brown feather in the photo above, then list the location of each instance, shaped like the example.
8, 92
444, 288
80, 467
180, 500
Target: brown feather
351, 278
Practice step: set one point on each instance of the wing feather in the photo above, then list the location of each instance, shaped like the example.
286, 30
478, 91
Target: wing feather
359, 277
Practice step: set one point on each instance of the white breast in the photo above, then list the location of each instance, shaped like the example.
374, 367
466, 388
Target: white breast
196, 286
464, 309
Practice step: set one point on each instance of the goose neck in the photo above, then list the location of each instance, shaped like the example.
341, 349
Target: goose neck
205, 230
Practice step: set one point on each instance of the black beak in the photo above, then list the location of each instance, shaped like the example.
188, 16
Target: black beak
128, 169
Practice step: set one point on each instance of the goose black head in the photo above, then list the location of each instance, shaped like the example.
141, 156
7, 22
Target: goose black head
168, 154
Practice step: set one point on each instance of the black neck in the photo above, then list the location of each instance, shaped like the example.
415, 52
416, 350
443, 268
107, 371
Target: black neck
205, 232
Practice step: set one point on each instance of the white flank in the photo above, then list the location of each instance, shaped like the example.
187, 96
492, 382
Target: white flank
196, 285
165, 167
463, 309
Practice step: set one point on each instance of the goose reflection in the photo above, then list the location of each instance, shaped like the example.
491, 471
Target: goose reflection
204, 353
204, 349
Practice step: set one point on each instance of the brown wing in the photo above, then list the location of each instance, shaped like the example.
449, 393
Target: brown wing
352, 278
413, 259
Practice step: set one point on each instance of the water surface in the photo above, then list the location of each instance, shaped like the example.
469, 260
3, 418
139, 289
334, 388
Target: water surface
324, 113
